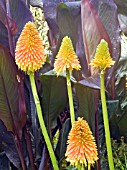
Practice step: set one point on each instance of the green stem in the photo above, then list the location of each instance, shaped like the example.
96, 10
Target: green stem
80, 167
106, 123
69, 89
42, 124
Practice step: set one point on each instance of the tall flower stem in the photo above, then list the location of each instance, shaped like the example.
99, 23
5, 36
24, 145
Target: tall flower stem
106, 122
80, 167
69, 89
42, 124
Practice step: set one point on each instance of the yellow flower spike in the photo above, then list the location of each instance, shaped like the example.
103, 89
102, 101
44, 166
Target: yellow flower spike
102, 57
29, 53
66, 58
29, 56
103, 61
81, 148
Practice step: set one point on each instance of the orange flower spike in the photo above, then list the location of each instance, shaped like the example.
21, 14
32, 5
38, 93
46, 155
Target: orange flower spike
29, 53
102, 57
66, 57
81, 148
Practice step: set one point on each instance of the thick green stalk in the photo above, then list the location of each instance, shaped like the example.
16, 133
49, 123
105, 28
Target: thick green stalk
69, 89
42, 124
81, 167
106, 122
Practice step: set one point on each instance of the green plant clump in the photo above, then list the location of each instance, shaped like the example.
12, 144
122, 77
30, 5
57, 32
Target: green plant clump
119, 155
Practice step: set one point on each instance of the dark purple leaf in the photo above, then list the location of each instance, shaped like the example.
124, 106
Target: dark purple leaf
13, 16
8, 22
106, 10
50, 11
93, 29
3, 17
4, 161
8, 145
3, 25
80, 51
20, 13
92, 82
122, 6
44, 160
3, 35
12, 105
29, 147
98, 24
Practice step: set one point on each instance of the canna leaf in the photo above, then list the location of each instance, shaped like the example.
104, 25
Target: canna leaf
54, 97
12, 105
12, 20
86, 104
62, 142
122, 6
66, 24
93, 30
7, 143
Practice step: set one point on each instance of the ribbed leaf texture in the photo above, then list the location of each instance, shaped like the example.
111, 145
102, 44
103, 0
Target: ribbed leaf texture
99, 21
12, 20
12, 106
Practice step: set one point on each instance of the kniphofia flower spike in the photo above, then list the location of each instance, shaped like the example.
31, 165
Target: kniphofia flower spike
81, 148
29, 53
102, 57
103, 60
29, 56
66, 58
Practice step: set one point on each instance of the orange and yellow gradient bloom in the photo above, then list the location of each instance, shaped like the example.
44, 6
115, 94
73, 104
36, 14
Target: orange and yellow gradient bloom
66, 57
102, 57
81, 148
29, 53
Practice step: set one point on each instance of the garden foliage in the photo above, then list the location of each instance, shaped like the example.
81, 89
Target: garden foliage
86, 22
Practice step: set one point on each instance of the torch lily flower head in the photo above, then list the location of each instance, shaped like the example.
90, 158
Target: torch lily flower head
102, 57
66, 57
81, 148
29, 53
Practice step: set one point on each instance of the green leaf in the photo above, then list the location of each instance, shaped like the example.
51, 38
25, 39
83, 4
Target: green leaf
122, 123
62, 143
86, 103
54, 97
71, 168
121, 70
114, 113
121, 6
121, 94
53, 73
66, 24
9, 93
